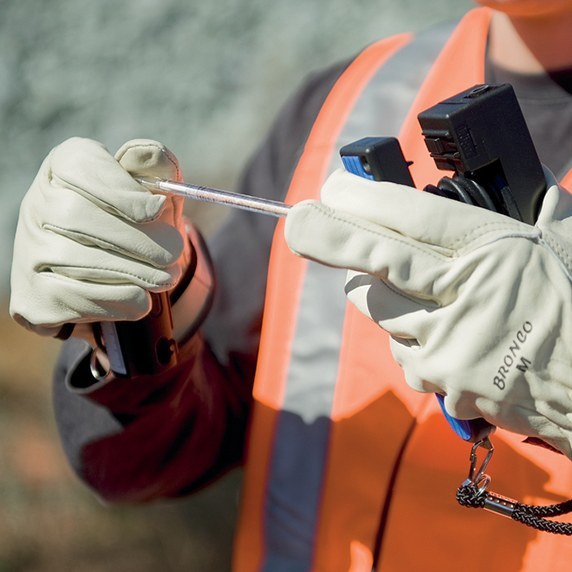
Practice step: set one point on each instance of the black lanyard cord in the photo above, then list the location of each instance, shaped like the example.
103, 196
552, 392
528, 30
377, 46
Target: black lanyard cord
473, 494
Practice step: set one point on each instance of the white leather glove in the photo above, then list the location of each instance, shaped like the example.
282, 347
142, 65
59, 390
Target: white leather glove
91, 243
478, 305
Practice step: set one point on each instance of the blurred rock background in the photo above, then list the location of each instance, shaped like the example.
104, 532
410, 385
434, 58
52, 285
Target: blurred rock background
206, 79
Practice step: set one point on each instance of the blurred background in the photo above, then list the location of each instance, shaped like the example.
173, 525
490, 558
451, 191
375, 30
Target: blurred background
206, 79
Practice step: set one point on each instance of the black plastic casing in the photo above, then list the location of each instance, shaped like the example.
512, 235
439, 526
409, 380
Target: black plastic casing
378, 159
481, 134
141, 347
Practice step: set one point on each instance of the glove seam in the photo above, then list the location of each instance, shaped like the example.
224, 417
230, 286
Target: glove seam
355, 224
57, 276
479, 231
486, 228
559, 253
173, 161
434, 305
97, 200
99, 241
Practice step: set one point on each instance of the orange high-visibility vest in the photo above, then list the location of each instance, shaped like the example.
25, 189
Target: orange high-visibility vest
344, 460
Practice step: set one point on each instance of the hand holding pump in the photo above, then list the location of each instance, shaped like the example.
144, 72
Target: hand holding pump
494, 168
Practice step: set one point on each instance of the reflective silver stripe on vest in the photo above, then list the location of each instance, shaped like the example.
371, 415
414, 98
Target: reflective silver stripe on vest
298, 458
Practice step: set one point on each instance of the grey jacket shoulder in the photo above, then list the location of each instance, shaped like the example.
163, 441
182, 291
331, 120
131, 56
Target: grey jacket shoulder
241, 248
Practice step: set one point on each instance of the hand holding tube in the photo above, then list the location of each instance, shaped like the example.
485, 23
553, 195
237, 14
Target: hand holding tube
92, 243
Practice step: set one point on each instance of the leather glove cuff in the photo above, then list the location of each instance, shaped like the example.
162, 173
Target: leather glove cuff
191, 301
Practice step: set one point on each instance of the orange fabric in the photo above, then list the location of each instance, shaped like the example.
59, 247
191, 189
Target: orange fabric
371, 420
566, 182
284, 285
374, 411
460, 65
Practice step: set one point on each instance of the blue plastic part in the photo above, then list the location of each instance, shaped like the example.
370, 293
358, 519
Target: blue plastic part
463, 427
354, 165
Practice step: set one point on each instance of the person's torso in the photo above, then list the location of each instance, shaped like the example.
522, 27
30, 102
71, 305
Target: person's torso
345, 461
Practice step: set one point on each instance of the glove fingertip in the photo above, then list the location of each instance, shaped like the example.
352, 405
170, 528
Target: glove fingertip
156, 204
147, 157
301, 225
44, 331
145, 208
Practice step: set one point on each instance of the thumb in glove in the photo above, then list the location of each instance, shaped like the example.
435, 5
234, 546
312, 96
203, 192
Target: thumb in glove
148, 158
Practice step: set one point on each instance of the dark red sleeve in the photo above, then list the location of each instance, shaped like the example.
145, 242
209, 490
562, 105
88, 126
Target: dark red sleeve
166, 436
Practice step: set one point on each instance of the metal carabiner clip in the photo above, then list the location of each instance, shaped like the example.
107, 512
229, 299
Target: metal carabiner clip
477, 476
477, 483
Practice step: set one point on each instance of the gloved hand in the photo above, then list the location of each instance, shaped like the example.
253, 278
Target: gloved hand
478, 305
91, 242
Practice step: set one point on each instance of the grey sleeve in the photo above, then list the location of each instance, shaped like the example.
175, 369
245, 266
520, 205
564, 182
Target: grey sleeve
241, 249
72, 410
